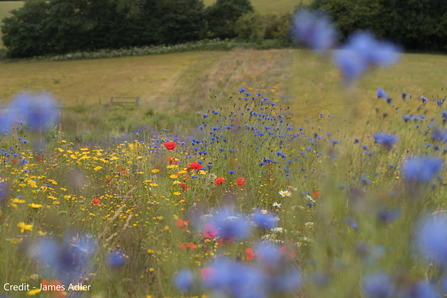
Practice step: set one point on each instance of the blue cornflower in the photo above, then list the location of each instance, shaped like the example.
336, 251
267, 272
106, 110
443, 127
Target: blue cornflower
231, 172
116, 259
264, 219
422, 169
184, 280
269, 254
361, 51
205, 115
378, 285
315, 30
381, 93
230, 224
388, 216
215, 112
431, 240
385, 139
273, 104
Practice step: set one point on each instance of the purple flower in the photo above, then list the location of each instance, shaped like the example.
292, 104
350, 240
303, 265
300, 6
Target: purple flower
315, 30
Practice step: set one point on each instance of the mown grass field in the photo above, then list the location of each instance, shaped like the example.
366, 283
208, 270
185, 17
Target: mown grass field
307, 83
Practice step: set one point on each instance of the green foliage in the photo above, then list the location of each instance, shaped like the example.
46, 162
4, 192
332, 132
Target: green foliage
59, 26
256, 26
350, 15
417, 25
222, 16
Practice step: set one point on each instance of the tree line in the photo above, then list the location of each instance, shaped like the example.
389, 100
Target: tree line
44, 27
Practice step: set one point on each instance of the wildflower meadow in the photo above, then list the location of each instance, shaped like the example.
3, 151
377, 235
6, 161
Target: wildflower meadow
251, 202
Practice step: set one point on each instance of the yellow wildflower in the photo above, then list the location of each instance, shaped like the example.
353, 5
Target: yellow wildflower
155, 171
24, 227
35, 206
33, 292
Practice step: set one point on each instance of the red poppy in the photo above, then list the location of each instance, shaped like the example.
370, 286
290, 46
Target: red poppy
182, 224
185, 187
222, 241
172, 160
250, 254
316, 194
283, 249
209, 231
194, 166
38, 158
207, 273
187, 245
96, 201
170, 145
219, 180
241, 181
14, 161
55, 288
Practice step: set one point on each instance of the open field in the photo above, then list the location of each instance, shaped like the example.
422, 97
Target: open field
255, 200
292, 77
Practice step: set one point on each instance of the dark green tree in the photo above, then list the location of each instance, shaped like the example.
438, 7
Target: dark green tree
60, 26
222, 15
419, 24
353, 15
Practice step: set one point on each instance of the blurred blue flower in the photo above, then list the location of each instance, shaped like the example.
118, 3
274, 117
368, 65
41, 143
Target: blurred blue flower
378, 285
385, 139
235, 279
184, 280
264, 219
314, 29
269, 254
388, 216
381, 93
66, 261
116, 259
431, 240
422, 169
290, 281
230, 224
362, 51
36, 110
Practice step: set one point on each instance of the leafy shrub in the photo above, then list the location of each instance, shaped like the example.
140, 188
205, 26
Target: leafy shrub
222, 16
417, 25
256, 26
59, 26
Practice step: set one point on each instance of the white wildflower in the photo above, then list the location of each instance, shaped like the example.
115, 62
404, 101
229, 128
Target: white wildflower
310, 199
285, 193
276, 204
